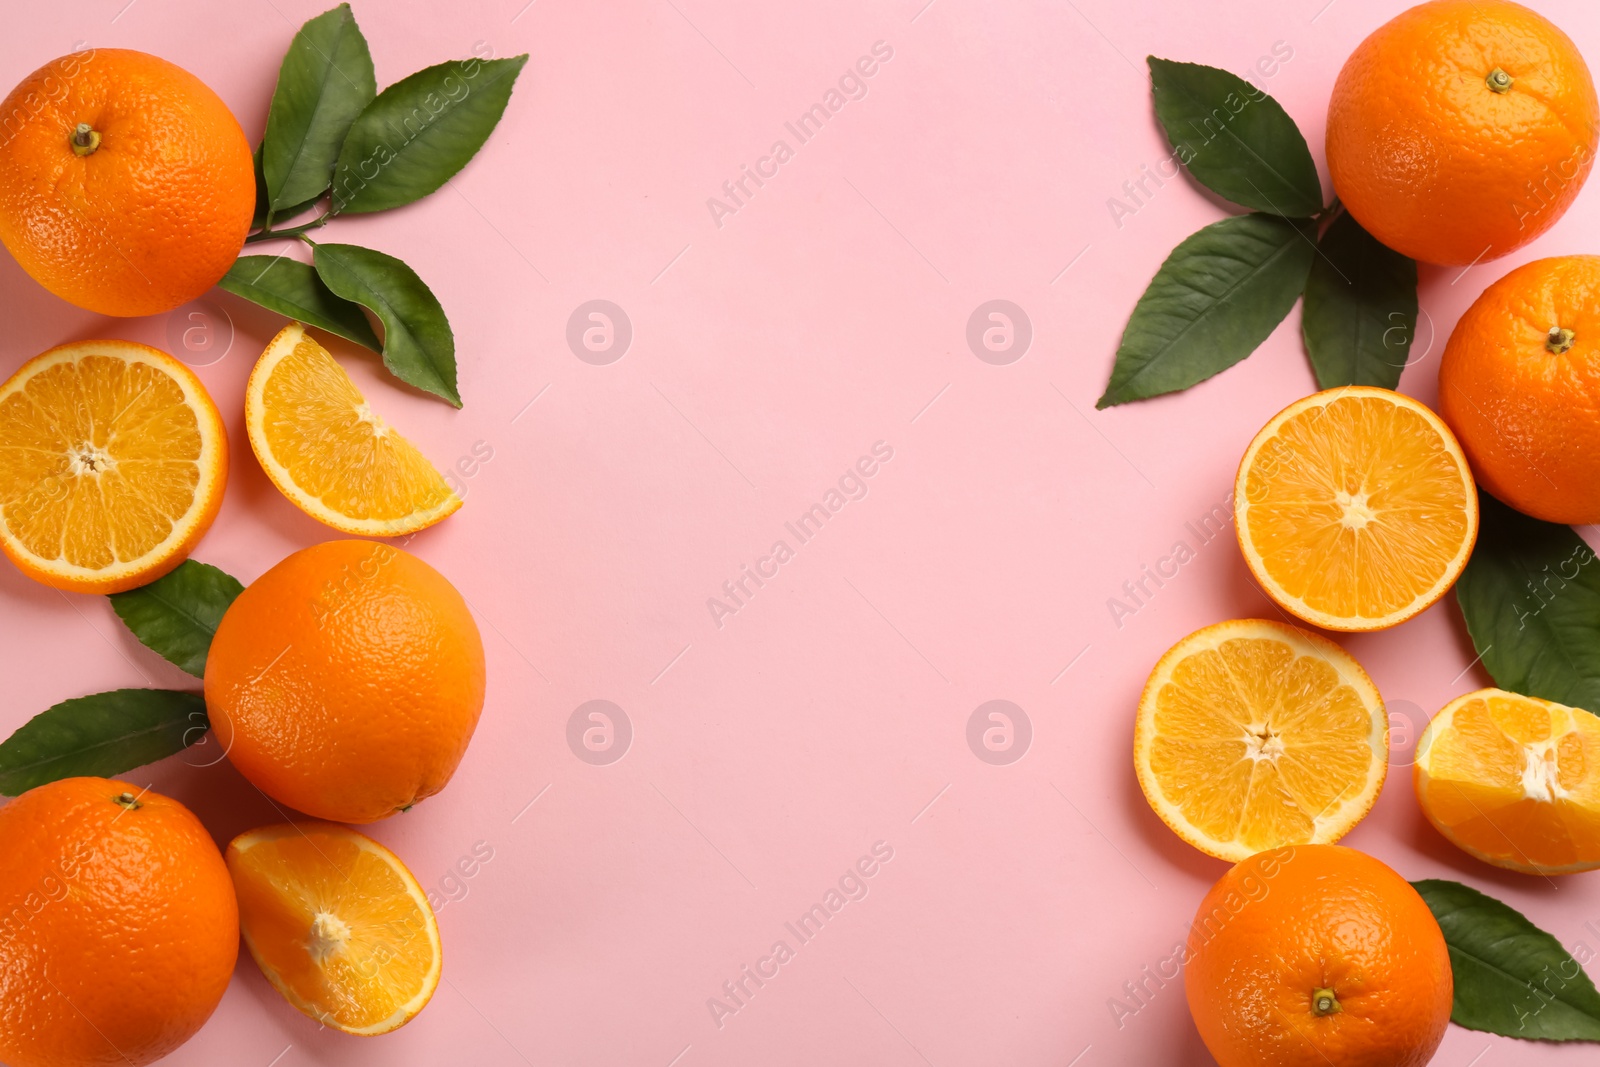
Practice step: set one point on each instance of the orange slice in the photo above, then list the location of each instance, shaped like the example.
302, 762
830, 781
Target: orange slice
337, 924
113, 461
1514, 780
329, 453
1355, 508
1254, 735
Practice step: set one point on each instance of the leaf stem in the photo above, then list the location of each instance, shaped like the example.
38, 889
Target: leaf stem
292, 231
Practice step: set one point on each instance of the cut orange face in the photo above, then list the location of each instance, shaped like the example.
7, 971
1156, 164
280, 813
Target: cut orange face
113, 461
337, 924
1254, 735
1355, 508
1514, 781
327, 451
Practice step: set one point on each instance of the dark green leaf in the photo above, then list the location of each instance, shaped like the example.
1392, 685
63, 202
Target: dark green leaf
260, 218
1360, 313
177, 614
1511, 977
420, 131
326, 80
1235, 139
292, 288
1531, 598
418, 347
100, 736
1218, 296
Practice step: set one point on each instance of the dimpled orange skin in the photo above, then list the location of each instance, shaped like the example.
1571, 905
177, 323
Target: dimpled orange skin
1436, 164
346, 681
1285, 925
150, 219
1528, 417
119, 922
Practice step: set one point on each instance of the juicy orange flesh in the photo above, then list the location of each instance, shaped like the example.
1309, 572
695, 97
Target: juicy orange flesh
320, 429
1518, 779
1253, 742
1357, 508
99, 460
291, 886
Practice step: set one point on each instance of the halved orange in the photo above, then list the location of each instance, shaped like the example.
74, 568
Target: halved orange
337, 924
1254, 735
326, 449
1355, 508
113, 461
1514, 781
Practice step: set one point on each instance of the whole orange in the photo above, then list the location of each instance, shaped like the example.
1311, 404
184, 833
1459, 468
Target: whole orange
1519, 383
346, 681
118, 925
1317, 954
1461, 129
126, 185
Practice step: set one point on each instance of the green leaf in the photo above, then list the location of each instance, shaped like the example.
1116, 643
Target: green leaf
1235, 139
100, 736
326, 80
1218, 296
1511, 977
292, 288
420, 131
259, 219
177, 614
1531, 598
418, 347
1360, 313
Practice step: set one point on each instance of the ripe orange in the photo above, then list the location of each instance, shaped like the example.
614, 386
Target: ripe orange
113, 462
1355, 508
1317, 955
1514, 780
337, 924
346, 681
1519, 383
1254, 734
1461, 129
325, 449
126, 185
118, 927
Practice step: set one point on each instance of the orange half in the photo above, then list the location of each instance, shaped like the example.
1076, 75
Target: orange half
337, 924
1355, 508
113, 462
1254, 735
326, 449
1514, 781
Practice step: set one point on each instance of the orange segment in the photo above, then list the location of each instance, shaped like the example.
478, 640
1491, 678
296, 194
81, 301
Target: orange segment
323, 446
113, 461
337, 924
1514, 780
1355, 508
1254, 735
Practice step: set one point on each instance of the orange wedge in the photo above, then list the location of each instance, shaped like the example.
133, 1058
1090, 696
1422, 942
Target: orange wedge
1355, 508
1514, 780
1254, 735
329, 453
112, 465
337, 924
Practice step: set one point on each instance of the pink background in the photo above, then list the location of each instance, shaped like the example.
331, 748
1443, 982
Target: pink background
769, 353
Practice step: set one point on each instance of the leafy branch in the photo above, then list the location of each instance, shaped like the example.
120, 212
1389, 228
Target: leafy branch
1226, 288
333, 139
